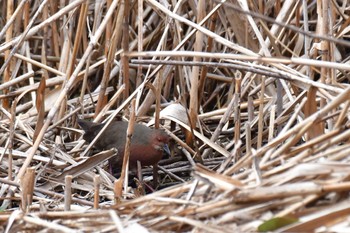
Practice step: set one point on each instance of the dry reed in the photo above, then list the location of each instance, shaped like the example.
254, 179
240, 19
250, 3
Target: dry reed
254, 94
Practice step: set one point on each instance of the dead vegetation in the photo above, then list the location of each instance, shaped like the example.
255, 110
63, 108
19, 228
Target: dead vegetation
254, 94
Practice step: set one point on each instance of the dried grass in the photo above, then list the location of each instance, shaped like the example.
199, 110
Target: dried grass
255, 96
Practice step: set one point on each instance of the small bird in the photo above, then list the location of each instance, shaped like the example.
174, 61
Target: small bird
147, 145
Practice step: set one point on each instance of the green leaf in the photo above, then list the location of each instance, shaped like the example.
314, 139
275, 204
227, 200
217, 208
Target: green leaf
275, 223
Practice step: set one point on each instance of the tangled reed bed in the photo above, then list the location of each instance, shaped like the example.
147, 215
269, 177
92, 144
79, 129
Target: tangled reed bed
254, 94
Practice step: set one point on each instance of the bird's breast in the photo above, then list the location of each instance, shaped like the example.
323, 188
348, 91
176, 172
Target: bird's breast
146, 154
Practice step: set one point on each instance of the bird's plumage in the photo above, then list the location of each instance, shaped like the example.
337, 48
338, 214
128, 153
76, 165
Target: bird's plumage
147, 145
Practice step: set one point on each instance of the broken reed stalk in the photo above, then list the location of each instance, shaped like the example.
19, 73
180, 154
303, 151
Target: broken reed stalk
125, 46
27, 187
272, 123
261, 113
67, 192
5, 68
140, 10
97, 184
237, 108
123, 179
195, 76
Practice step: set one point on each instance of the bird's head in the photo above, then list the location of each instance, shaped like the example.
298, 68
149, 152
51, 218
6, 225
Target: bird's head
160, 141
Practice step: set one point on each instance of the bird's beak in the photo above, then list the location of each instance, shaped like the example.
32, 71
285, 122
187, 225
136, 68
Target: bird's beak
166, 149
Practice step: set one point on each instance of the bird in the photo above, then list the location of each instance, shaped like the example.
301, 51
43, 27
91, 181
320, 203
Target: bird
147, 145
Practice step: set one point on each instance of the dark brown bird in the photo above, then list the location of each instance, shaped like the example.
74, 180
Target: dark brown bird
147, 145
